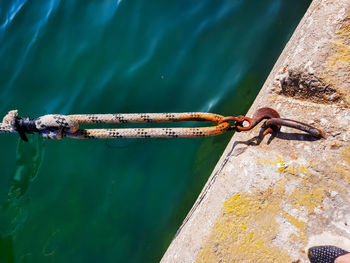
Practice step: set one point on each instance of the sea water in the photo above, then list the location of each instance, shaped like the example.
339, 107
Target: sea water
121, 200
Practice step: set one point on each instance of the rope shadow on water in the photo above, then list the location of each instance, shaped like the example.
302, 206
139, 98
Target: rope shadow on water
13, 214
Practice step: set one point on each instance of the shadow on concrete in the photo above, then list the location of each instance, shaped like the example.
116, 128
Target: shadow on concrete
276, 134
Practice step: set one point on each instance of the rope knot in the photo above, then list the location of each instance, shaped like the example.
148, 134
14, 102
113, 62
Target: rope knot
53, 126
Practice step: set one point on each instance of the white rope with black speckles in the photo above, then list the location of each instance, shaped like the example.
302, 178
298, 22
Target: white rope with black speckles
56, 126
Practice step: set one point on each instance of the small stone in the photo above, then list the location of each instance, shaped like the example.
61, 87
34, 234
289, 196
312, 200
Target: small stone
336, 133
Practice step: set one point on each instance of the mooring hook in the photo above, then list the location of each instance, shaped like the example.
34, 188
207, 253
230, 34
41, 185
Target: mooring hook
274, 123
259, 115
296, 125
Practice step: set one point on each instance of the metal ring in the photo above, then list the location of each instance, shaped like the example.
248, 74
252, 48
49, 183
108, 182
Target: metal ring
247, 128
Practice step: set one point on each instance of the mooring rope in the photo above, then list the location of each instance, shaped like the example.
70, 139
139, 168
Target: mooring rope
56, 126
148, 132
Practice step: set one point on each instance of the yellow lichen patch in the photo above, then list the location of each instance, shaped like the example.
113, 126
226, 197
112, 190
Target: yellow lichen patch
309, 200
300, 234
244, 230
342, 55
296, 222
338, 61
249, 223
341, 46
304, 170
344, 170
345, 29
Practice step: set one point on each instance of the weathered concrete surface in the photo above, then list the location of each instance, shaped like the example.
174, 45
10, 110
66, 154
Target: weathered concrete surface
270, 202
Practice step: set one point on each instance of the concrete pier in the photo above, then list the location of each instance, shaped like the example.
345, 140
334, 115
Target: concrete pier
270, 198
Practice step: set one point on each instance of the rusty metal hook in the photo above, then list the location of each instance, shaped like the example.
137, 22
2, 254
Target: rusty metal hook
259, 115
273, 123
296, 125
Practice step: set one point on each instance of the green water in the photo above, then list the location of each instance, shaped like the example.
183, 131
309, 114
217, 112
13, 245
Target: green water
121, 200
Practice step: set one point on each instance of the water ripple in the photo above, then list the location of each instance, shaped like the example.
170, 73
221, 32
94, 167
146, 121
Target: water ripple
14, 8
35, 26
101, 12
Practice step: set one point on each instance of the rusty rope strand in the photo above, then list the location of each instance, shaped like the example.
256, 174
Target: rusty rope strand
147, 132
